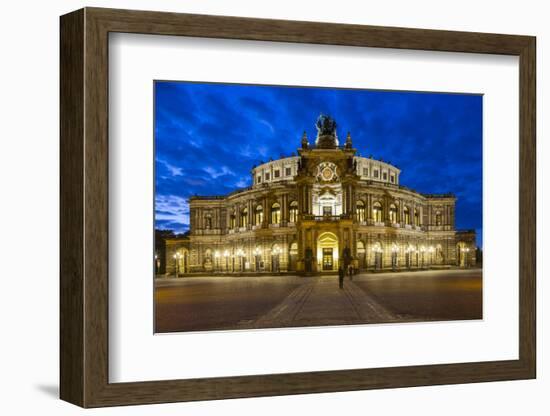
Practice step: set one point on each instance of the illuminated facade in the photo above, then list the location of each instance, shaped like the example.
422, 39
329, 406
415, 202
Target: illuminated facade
323, 208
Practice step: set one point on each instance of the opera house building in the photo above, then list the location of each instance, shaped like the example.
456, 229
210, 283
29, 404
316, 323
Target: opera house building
310, 213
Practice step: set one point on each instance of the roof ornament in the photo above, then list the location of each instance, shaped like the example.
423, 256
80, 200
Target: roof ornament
349, 145
305, 142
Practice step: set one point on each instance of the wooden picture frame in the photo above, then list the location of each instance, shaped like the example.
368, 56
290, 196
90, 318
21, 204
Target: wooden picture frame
84, 207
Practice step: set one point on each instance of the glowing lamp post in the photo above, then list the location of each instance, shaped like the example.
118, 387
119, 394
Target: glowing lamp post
177, 258
226, 256
431, 250
217, 259
257, 256
240, 255
275, 253
157, 264
377, 250
422, 251
465, 251
394, 250
408, 252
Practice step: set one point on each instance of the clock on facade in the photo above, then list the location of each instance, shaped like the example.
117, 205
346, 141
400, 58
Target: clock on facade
327, 172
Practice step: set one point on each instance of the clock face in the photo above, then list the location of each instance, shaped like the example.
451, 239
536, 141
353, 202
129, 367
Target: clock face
326, 172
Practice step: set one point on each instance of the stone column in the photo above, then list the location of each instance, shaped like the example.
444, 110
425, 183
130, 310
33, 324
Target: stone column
250, 212
307, 198
369, 207
284, 209
266, 212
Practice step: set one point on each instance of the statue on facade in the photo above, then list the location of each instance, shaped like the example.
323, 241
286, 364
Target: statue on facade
326, 126
326, 132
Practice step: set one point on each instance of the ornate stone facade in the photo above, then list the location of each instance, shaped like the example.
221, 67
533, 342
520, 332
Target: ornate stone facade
312, 212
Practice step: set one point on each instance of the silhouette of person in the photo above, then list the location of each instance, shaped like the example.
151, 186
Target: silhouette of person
350, 272
341, 277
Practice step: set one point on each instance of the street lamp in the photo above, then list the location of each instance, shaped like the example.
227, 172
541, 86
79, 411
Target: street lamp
240, 254
431, 250
177, 257
465, 251
275, 253
226, 255
408, 253
422, 250
377, 250
157, 264
394, 250
217, 257
257, 256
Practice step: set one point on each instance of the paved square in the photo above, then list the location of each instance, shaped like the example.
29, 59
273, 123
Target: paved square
222, 303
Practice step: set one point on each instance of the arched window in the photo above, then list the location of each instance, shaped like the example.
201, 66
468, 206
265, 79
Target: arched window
416, 217
360, 211
393, 214
438, 218
407, 215
244, 218
259, 217
377, 212
293, 211
232, 220
208, 222
275, 213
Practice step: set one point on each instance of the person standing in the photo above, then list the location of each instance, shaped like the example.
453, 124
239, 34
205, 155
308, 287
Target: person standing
341, 277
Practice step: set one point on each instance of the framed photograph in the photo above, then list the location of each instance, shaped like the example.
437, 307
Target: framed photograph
255, 207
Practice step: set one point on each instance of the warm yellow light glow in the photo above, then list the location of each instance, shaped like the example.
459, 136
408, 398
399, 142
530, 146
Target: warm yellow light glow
328, 240
376, 248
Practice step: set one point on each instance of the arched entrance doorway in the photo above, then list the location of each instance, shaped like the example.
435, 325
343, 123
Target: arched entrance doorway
327, 252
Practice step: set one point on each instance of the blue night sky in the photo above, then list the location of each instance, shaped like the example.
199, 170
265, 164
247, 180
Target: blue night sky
208, 137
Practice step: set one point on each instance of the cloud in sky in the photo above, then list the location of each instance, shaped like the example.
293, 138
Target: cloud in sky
208, 137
